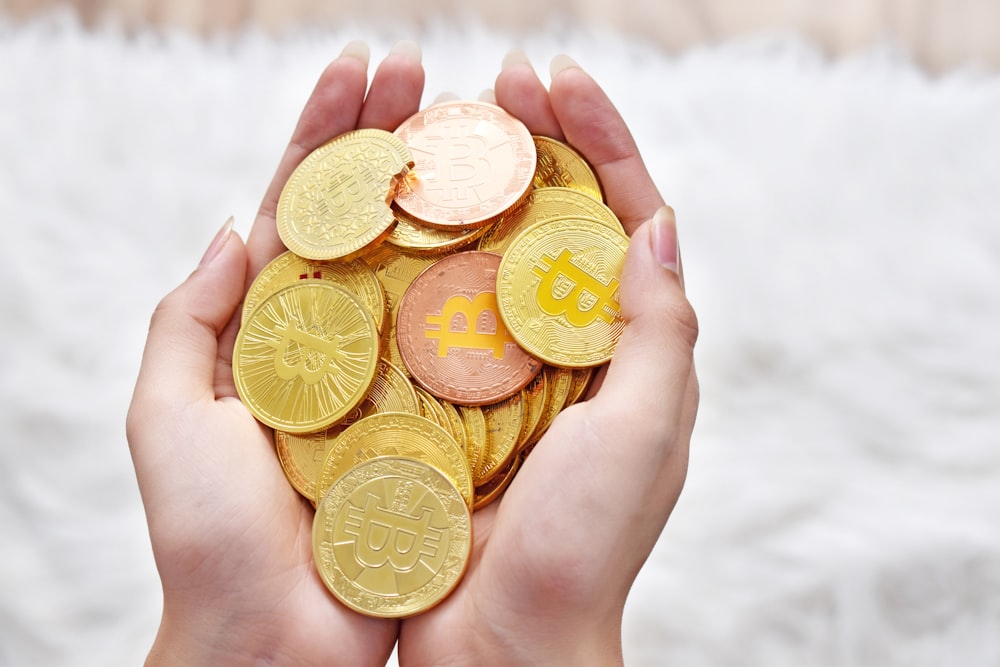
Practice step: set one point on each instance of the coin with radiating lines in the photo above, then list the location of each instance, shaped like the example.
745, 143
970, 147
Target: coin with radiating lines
559, 165
337, 200
450, 335
353, 275
543, 205
396, 434
392, 537
557, 290
306, 357
472, 162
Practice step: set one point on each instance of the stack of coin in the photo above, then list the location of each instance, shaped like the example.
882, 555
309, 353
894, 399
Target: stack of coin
448, 290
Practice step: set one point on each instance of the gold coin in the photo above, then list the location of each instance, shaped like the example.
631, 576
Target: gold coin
456, 426
395, 269
543, 205
430, 408
472, 162
355, 276
476, 441
337, 200
559, 165
392, 537
536, 397
503, 431
396, 434
558, 382
557, 290
579, 384
413, 234
301, 457
306, 357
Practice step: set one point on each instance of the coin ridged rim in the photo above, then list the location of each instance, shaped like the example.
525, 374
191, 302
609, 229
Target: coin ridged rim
585, 180
454, 563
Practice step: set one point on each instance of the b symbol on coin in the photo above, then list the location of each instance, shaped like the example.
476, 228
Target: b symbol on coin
393, 538
480, 315
315, 355
569, 291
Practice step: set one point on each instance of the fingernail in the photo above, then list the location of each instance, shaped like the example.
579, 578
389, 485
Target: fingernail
663, 238
358, 50
488, 96
406, 48
515, 57
216, 245
561, 63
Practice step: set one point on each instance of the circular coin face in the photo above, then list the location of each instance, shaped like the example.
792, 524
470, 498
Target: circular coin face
337, 200
354, 275
472, 162
451, 337
392, 537
396, 434
306, 357
559, 165
557, 289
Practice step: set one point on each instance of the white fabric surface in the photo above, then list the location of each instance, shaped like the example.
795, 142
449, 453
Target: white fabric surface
841, 237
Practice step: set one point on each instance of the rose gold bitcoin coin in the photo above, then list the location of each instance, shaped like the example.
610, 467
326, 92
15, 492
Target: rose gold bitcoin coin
392, 537
337, 200
472, 162
559, 165
451, 337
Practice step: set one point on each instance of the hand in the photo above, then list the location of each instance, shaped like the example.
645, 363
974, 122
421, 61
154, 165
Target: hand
231, 538
554, 559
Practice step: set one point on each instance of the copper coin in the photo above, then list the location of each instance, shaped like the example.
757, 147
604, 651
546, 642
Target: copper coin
451, 337
472, 162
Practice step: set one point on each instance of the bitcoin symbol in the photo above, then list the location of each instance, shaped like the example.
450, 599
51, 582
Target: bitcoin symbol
315, 355
477, 314
390, 537
568, 290
344, 193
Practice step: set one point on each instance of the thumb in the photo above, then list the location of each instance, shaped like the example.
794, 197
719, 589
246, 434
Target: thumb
649, 374
183, 361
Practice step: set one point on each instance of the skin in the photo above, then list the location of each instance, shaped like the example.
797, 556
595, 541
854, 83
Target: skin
553, 560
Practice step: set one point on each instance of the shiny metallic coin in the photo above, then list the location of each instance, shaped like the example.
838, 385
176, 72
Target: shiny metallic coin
415, 235
396, 434
392, 537
306, 357
504, 421
559, 165
543, 205
451, 338
337, 200
353, 275
472, 162
492, 489
557, 290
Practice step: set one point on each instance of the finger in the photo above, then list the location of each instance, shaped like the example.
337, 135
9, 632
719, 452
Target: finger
396, 88
181, 364
655, 350
594, 127
522, 94
332, 109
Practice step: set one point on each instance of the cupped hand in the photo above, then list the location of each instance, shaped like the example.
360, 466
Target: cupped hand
231, 538
553, 560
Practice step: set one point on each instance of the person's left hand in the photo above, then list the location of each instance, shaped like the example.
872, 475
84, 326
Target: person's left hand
231, 537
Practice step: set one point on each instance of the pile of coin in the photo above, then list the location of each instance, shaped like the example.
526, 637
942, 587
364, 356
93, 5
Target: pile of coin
448, 290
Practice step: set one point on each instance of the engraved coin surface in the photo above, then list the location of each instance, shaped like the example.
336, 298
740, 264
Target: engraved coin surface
337, 200
451, 337
559, 165
355, 276
392, 537
396, 434
306, 357
410, 233
557, 289
472, 162
543, 205
504, 421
